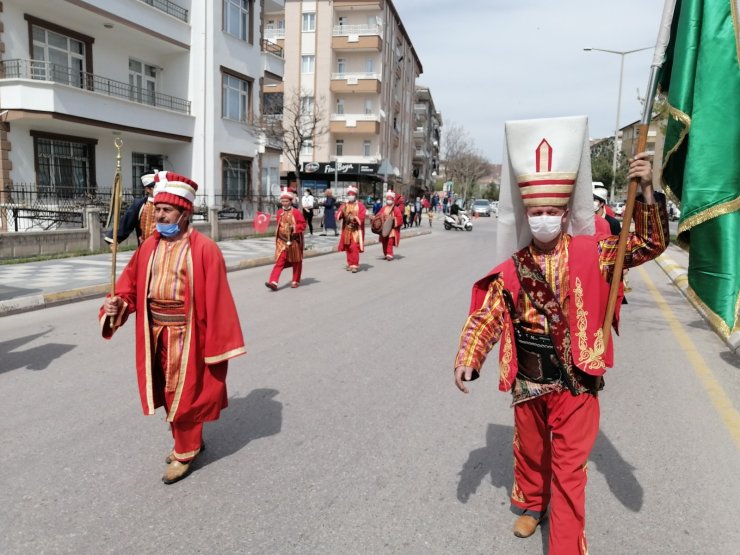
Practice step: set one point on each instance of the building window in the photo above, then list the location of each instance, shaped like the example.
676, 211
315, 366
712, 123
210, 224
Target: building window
307, 105
237, 177
307, 147
341, 65
59, 55
309, 22
366, 146
143, 80
340, 147
308, 63
340, 106
369, 65
369, 106
65, 166
142, 164
236, 102
238, 18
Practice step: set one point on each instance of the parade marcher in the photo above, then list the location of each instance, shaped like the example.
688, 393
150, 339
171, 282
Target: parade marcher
612, 226
546, 304
288, 242
187, 326
308, 203
139, 216
330, 213
390, 235
352, 238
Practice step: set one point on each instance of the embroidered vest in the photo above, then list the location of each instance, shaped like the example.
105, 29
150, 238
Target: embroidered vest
588, 294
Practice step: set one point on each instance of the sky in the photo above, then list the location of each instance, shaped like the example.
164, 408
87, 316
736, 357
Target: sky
490, 61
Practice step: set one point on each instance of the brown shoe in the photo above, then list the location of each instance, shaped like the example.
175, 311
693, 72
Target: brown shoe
354, 269
176, 471
525, 526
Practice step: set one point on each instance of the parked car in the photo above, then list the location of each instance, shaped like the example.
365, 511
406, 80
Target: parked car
481, 207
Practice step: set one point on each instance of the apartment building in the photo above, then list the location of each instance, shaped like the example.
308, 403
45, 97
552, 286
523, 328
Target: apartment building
178, 81
427, 140
355, 61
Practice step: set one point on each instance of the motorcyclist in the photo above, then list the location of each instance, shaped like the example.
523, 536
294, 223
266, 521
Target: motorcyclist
455, 212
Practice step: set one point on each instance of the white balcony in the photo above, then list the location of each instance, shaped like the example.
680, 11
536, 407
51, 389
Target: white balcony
358, 30
274, 35
273, 60
355, 117
353, 77
43, 87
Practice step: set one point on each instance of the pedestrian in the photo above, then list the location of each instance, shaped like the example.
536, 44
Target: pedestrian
600, 203
308, 204
139, 216
546, 304
377, 205
417, 211
390, 236
445, 202
330, 213
187, 326
412, 212
430, 217
407, 215
352, 238
288, 242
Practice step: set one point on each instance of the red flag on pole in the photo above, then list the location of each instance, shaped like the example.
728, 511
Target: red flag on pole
261, 222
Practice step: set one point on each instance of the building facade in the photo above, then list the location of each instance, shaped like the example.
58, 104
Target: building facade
178, 81
427, 139
354, 61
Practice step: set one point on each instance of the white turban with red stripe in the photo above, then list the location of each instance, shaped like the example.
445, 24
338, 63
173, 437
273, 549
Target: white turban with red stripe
175, 189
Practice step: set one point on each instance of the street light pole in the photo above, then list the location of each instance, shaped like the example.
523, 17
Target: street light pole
621, 54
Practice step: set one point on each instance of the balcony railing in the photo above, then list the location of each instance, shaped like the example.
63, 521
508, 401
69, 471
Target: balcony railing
274, 34
355, 76
63, 75
355, 117
272, 48
169, 7
346, 30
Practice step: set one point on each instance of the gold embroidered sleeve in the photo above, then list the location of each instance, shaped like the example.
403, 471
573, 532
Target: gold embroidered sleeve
483, 328
647, 242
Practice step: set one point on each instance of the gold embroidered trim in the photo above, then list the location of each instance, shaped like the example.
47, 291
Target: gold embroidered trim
588, 359
714, 319
506, 357
736, 27
148, 340
516, 492
685, 120
186, 341
226, 356
188, 455
709, 214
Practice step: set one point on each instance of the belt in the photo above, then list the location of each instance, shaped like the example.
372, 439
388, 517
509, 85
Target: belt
168, 313
537, 359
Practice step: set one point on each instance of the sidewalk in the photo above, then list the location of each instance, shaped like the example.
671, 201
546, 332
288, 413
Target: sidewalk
675, 263
35, 285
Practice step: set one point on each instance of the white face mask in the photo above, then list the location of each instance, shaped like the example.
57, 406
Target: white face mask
351, 198
389, 202
545, 228
597, 205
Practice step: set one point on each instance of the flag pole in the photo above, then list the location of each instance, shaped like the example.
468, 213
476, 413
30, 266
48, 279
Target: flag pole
115, 214
664, 34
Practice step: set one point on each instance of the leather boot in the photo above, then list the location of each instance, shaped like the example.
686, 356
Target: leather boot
525, 526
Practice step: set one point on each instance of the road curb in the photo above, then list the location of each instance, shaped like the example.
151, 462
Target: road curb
680, 278
47, 300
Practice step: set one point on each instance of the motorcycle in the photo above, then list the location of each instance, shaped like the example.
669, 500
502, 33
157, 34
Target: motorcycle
465, 223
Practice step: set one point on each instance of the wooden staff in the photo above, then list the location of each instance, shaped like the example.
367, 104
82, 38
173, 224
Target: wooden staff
664, 32
115, 214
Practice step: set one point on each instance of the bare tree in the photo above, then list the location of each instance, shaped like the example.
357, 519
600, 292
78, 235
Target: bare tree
292, 120
465, 165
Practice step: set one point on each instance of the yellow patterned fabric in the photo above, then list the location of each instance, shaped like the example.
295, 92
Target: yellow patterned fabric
147, 223
169, 279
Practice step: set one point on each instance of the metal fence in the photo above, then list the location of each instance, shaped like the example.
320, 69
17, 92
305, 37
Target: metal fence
47, 71
30, 207
169, 7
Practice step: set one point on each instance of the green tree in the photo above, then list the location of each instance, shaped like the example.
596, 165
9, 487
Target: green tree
602, 156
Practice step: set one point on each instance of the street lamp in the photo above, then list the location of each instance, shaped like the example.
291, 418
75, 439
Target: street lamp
622, 54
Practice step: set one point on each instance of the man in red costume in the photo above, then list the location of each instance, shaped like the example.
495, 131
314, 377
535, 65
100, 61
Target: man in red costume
187, 327
546, 304
390, 214
288, 241
352, 238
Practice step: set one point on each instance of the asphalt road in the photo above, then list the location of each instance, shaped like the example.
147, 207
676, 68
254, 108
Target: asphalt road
345, 433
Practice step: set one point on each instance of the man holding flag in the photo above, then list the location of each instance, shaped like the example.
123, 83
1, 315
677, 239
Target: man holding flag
546, 304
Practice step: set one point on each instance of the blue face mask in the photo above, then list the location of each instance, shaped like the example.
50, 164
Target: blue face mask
169, 230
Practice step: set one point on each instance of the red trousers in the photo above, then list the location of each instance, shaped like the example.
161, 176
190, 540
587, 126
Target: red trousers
553, 437
353, 253
188, 435
388, 244
281, 263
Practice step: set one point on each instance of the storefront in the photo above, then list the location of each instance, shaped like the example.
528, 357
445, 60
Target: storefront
318, 176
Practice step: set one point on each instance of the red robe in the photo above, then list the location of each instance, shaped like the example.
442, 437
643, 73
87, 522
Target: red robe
361, 211
213, 333
398, 217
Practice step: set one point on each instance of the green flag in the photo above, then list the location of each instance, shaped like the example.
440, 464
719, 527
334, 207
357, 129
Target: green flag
701, 161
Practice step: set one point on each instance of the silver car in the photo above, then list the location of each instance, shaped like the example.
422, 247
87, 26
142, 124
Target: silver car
481, 207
